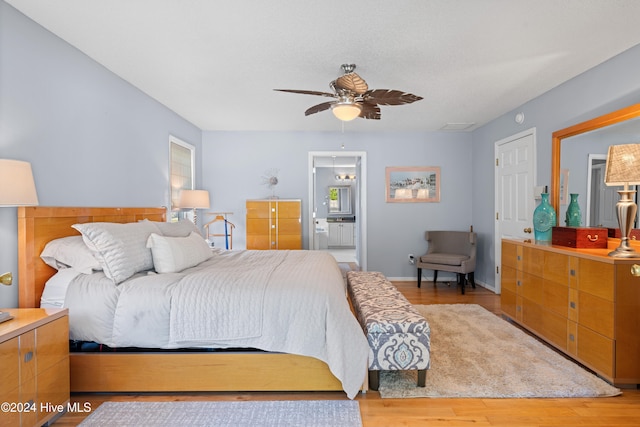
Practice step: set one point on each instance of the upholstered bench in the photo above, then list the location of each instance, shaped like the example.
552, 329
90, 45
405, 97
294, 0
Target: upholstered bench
398, 335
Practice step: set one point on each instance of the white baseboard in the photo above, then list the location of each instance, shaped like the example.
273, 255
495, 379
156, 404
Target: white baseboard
440, 280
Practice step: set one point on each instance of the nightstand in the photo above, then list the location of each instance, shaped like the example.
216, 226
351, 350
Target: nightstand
34, 356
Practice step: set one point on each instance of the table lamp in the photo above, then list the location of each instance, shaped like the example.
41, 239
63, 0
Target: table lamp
194, 199
623, 168
17, 188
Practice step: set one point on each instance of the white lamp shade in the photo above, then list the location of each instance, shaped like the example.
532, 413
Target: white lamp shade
623, 165
403, 193
346, 111
194, 199
17, 187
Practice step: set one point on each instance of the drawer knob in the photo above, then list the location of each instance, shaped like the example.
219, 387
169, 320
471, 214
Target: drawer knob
635, 270
28, 356
571, 337
527, 230
572, 304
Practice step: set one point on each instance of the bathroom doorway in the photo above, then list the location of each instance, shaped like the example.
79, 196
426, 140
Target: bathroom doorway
337, 205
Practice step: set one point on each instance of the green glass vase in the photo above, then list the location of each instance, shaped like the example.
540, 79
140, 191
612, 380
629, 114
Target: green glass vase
544, 217
573, 216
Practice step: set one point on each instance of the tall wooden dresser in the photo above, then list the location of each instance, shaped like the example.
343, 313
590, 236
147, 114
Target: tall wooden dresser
34, 366
274, 224
581, 301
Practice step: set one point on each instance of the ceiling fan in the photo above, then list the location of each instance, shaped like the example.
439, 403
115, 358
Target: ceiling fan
353, 97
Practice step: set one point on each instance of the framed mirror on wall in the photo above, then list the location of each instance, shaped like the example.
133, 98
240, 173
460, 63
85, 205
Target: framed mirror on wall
580, 151
340, 200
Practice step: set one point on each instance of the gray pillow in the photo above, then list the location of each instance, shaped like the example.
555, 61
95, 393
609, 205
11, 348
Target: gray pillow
176, 229
120, 248
70, 252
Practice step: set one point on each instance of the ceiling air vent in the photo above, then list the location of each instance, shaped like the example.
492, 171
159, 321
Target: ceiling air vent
458, 126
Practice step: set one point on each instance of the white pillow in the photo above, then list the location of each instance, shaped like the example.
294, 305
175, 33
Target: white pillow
70, 252
121, 248
55, 289
177, 229
174, 254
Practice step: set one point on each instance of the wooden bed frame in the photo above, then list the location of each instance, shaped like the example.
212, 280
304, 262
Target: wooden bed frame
156, 371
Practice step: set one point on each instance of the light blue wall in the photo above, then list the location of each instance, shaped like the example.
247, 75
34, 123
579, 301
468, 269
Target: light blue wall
92, 138
234, 163
612, 85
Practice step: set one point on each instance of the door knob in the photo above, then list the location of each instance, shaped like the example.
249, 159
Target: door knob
527, 230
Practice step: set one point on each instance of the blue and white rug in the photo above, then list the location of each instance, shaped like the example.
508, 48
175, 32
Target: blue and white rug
289, 413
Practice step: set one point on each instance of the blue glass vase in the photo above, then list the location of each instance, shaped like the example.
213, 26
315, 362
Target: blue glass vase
573, 216
544, 217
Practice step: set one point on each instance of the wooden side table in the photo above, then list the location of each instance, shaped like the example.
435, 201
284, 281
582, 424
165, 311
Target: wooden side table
34, 356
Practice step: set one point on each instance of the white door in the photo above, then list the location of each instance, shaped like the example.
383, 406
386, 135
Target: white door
514, 183
359, 209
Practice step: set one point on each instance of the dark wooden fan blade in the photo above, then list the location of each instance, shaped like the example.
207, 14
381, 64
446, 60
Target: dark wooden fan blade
352, 82
390, 97
308, 92
370, 111
318, 108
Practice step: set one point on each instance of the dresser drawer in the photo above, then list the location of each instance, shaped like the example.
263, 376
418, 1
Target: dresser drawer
9, 361
52, 343
596, 351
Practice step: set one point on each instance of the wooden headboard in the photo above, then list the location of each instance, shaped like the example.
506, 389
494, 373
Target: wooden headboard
40, 224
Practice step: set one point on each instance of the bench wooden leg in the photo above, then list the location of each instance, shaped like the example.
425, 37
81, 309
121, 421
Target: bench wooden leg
422, 377
374, 380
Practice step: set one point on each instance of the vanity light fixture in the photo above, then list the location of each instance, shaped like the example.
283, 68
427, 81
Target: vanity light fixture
194, 199
623, 168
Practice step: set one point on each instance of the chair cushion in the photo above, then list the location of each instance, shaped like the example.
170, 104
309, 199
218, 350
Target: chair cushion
444, 259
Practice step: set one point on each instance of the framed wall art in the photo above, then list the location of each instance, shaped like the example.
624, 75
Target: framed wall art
413, 184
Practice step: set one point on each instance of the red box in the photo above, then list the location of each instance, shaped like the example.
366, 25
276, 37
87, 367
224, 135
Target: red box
634, 234
580, 237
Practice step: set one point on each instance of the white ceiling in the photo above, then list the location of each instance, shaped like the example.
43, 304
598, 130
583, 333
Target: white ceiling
216, 62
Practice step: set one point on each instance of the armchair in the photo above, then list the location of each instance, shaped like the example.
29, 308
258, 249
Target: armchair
452, 251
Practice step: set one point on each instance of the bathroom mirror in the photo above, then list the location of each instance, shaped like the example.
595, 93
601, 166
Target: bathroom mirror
572, 146
340, 200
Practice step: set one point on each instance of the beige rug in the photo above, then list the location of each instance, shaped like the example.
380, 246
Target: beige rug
475, 353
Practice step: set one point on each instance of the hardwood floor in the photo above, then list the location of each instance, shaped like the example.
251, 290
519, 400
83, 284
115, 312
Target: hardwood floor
622, 410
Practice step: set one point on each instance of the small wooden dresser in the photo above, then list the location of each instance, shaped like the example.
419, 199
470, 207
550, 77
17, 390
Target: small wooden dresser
581, 301
274, 224
34, 361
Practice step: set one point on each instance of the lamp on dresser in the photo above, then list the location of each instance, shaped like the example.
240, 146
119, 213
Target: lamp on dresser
194, 199
623, 169
17, 188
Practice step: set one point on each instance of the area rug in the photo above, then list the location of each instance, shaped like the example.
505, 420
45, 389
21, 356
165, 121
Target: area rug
302, 413
475, 353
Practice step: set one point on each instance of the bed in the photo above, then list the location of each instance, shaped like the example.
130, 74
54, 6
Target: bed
182, 360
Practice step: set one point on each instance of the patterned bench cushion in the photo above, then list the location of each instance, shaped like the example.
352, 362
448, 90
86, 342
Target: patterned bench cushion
399, 336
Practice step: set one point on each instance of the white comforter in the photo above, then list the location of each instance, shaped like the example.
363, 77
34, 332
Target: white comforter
282, 301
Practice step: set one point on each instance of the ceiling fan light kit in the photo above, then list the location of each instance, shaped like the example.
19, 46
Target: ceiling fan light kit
353, 97
346, 111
